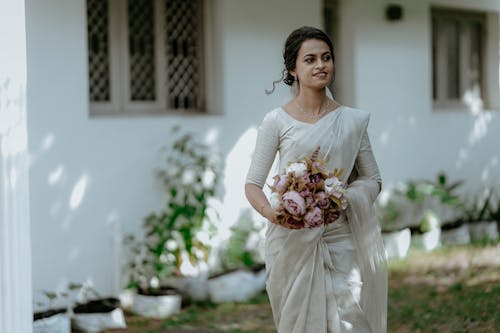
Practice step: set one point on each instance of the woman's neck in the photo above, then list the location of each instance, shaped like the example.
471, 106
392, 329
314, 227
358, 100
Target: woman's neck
312, 100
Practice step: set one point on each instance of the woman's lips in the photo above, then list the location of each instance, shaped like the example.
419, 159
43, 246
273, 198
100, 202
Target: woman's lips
321, 74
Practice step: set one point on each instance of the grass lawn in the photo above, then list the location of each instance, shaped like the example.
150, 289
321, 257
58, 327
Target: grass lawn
455, 289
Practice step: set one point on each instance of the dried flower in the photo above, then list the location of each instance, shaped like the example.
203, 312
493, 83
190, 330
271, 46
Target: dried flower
307, 195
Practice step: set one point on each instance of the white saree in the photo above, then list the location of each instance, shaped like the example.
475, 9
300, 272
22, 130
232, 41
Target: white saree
328, 279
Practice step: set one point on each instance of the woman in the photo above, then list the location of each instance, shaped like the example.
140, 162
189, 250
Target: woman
331, 278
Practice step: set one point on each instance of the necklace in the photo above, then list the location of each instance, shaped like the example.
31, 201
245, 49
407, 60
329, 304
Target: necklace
316, 117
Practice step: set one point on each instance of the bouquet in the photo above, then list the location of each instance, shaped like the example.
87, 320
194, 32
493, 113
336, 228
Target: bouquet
306, 195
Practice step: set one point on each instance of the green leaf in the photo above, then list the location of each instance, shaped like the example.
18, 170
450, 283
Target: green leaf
75, 286
248, 259
50, 295
442, 179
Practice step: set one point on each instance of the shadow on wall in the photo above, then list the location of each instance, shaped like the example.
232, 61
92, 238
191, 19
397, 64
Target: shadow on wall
476, 124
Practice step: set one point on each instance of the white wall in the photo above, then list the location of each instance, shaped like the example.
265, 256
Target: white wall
389, 66
91, 177
15, 242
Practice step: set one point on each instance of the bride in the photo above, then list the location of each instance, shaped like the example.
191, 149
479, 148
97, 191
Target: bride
330, 278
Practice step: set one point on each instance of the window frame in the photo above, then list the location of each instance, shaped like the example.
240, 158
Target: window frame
489, 59
119, 59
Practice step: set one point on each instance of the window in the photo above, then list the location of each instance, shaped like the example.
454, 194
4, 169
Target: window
460, 58
145, 56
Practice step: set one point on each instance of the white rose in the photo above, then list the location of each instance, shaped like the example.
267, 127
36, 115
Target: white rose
333, 186
155, 282
188, 177
171, 245
298, 169
274, 200
208, 178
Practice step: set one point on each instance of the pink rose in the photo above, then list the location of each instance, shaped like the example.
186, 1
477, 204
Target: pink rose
314, 217
322, 200
316, 178
308, 197
294, 203
280, 183
306, 178
312, 182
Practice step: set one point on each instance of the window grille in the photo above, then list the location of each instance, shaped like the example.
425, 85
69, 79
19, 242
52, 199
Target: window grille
98, 51
141, 38
145, 56
183, 30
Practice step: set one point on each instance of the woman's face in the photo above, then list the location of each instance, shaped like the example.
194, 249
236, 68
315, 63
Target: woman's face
314, 64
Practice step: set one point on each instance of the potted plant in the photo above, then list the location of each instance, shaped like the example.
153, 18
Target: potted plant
174, 240
242, 274
95, 313
449, 207
148, 268
395, 233
419, 195
482, 225
456, 232
446, 199
52, 317
425, 224
427, 235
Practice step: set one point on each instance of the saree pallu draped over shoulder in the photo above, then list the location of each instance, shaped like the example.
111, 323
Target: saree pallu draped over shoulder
332, 278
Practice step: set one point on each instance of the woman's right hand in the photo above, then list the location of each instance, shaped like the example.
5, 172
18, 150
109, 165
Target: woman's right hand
272, 215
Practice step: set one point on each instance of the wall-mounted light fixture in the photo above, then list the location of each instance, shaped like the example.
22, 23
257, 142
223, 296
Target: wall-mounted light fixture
394, 12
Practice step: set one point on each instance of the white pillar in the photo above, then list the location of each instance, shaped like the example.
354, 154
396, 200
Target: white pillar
15, 258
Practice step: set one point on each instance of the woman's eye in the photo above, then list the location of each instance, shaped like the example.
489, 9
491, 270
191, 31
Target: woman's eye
309, 60
327, 58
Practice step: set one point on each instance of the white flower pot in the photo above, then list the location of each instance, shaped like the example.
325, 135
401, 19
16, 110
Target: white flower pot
428, 240
156, 306
397, 243
483, 230
238, 286
456, 236
412, 212
97, 322
194, 287
59, 323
